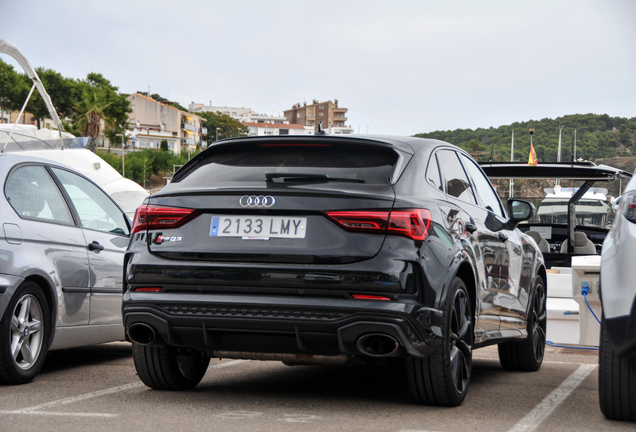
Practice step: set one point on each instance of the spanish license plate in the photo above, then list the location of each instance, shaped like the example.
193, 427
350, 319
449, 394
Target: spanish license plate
261, 227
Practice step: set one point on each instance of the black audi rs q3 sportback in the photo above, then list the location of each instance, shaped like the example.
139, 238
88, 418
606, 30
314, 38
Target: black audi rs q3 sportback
329, 249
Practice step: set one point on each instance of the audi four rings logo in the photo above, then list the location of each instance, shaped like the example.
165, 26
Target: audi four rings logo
257, 201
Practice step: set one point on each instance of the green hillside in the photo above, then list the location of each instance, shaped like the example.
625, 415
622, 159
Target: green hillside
597, 136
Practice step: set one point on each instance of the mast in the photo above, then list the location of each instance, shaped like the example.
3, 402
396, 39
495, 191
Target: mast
512, 156
559, 149
557, 181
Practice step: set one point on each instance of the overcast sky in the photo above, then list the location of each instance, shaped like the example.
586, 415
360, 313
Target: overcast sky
401, 67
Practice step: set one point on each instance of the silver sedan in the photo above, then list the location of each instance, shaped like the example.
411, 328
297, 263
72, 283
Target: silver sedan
62, 245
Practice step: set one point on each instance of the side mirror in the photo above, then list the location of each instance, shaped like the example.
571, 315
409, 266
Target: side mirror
519, 211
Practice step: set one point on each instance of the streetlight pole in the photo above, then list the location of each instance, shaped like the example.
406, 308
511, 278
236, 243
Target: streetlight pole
217, 134
123, 154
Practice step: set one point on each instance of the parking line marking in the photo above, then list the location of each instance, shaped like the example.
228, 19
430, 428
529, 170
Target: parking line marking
544, 408
35, 409
78, 398
61, 414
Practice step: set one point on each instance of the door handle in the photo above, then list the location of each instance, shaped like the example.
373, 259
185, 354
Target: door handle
501, 236
94, 246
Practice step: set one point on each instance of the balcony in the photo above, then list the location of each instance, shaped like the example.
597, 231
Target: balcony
203, 131
188, 141
188, 127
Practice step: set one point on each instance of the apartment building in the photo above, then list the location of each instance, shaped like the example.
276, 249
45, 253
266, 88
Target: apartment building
152, 121
332, 117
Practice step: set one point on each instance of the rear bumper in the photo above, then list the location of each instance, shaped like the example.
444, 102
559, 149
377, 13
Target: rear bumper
281, 324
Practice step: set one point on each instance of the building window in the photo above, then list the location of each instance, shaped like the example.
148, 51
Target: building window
321, 114
283, 132
321, 106
310, 115
297, 115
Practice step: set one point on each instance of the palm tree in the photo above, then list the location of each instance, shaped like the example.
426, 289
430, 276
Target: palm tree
91, 113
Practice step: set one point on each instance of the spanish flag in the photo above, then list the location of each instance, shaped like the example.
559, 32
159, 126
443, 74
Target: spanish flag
532, 160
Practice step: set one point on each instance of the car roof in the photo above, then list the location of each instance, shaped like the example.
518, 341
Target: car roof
14, 158
587, 171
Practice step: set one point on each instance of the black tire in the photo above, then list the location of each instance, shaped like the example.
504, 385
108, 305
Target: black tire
165, 368
442, 379
616, 381
527, 355
25, 325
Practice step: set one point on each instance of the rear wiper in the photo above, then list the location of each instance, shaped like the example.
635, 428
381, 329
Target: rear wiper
307, 178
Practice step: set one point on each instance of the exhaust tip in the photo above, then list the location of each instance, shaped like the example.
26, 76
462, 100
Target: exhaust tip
142, 334
378, 345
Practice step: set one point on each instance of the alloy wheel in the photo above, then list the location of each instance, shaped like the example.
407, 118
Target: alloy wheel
539, 321
461, 341
26, 332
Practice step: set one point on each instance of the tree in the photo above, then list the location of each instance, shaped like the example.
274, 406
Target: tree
64, 93
12, 87
164, 145
117, 108
91, 111
228, 126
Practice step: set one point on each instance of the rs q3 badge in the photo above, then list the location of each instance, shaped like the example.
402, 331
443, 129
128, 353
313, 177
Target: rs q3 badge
161, 239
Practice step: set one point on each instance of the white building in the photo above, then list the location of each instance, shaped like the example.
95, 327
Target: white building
261, 129
233, 112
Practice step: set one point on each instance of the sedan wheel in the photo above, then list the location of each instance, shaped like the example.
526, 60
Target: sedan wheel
442, 379
616, 381
24, 333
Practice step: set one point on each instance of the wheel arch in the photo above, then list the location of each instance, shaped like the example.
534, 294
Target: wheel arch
51, 298
543, 274
466, 273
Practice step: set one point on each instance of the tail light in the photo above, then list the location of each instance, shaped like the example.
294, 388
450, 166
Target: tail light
628, 206
148, 217
414, 223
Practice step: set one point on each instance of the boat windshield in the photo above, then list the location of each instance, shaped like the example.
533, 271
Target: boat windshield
591, 213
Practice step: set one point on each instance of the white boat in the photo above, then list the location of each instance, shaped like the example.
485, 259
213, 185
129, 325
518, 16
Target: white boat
63, 147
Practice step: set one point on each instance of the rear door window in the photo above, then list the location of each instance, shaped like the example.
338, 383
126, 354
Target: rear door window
34, 195
289, 163
432, 173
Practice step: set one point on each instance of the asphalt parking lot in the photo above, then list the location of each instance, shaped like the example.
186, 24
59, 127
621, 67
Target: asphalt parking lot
96, 388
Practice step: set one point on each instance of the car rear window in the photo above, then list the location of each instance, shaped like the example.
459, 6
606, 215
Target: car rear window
274, 161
